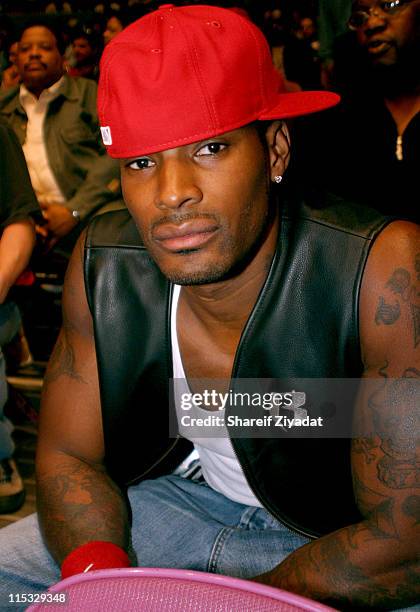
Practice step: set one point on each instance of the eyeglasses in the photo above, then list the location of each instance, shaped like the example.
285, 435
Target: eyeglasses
358, 18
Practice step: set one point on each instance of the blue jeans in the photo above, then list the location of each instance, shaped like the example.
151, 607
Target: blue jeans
177, 523
9, 326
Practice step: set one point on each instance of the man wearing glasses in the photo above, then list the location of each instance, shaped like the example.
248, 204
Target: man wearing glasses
370, 142
361, 12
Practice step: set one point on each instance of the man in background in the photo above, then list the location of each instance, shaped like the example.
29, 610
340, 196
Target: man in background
86, 50
367, 148
54, 117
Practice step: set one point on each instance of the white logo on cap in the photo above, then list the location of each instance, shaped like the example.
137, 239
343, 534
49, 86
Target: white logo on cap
106, 135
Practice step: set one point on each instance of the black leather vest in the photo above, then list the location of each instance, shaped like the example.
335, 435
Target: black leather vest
304, 324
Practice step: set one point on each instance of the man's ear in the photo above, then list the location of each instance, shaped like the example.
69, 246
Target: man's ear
278, 142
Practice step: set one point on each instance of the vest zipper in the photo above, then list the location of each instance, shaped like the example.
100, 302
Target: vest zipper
156, 463
264, 503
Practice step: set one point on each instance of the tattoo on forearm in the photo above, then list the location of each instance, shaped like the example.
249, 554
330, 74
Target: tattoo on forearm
411, 508
415, 312
77, 504
62, 362
377, 508
387, 314
381, 522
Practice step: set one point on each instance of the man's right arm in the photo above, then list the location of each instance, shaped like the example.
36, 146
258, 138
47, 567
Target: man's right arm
77, 500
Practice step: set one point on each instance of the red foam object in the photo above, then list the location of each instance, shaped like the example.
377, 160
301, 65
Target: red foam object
94, 556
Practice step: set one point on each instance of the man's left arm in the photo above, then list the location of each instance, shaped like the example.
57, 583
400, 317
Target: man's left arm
101, 184
375, 563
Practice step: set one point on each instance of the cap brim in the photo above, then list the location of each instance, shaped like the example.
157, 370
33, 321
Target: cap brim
300, 103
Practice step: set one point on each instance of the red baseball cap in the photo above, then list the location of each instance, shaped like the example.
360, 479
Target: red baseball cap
183, 74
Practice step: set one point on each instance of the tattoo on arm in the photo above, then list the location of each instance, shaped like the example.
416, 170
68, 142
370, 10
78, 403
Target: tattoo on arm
78, 504
365, 446
396, 420
62, 361
378, 508
398, 474
387, 314
399, 282
411, 508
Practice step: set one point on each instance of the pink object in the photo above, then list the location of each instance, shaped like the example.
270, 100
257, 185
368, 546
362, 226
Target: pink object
173, 590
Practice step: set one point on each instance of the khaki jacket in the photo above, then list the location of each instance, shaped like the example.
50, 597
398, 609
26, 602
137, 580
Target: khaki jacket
88, 178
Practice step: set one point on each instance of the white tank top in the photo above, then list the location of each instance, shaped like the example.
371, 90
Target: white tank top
221, 468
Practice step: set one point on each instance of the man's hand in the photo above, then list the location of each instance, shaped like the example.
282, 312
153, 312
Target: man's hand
58, 223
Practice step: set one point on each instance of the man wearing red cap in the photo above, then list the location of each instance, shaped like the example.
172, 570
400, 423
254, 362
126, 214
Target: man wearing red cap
213, 284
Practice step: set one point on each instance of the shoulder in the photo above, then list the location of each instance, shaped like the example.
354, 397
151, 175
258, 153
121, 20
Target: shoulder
79, 86
112, 229
389, 312
9, 98
396, 247
336, 215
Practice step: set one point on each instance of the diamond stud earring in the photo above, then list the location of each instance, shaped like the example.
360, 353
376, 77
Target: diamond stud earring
278, 179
